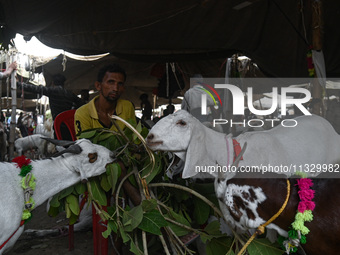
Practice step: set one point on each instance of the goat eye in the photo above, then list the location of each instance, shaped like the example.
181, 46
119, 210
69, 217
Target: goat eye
181, 122
92, 157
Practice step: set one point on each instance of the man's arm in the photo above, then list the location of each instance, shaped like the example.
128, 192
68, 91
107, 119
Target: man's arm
41, 90
9, 70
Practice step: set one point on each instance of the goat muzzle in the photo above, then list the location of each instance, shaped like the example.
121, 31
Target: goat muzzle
150, 141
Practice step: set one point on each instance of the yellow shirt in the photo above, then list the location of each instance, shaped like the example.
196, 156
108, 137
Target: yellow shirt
86, 116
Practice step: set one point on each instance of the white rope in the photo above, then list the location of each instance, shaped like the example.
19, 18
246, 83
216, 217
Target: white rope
64, 62
174, 71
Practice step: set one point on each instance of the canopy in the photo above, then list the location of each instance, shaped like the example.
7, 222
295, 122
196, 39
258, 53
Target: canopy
142, 77
276, 34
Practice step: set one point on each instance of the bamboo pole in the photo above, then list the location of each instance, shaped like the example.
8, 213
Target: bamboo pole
317, 45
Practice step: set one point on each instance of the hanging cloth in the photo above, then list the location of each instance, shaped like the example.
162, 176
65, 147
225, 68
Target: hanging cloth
319, 66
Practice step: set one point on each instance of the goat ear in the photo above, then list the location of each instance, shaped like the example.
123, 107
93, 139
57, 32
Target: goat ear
74, 149
62, 143
205, 149
197, 149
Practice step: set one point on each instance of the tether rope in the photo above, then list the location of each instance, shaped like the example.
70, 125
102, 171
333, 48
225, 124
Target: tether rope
261, 228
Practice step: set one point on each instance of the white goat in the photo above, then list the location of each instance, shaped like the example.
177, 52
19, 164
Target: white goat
33, 142
79, 161
45, 129
312, 141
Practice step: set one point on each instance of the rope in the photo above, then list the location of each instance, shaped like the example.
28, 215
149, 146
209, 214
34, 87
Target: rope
28, 192
261, 228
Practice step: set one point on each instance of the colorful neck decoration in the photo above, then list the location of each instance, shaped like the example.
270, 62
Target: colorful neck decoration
27, 183
299, 231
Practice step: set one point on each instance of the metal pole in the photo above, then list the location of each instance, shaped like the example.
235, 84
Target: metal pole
14, 111
167, 80
1, 66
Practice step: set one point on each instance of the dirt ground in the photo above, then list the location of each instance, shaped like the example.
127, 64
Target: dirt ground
56, 244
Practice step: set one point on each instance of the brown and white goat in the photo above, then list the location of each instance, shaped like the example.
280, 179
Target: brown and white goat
249, 202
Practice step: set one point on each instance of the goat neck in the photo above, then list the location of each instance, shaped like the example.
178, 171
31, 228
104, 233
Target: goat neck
52, 176
206, 148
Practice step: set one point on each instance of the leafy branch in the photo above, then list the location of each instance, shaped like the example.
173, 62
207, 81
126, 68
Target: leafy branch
169, 208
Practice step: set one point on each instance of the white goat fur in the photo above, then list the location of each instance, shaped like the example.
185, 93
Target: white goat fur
52, 176
45, 129
312, 141
33, 142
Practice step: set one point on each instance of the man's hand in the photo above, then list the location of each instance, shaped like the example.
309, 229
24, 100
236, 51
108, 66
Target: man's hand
13, 66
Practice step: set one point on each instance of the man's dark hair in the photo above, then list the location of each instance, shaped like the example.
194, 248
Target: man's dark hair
143, 97
59, 80
170, 108
112, 68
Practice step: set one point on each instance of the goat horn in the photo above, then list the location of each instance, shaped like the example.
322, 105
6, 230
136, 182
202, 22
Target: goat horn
62, 143
238, 158
75, 149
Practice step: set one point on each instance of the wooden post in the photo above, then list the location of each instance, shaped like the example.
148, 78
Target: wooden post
317, 45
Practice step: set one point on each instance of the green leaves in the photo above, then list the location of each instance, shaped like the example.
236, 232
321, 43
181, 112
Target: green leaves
132, 218
149, 173
216, 242
73, 203
219, 246
174, 208
178, 230
88, 134
152, 222
111, 226
97, 192
201, 211
149, 205
263, 247
212, 230
113, 172
80, 188
72, 208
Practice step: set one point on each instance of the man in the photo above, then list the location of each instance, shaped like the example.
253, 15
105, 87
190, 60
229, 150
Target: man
95, 114
85, 95
60, 99
146, 107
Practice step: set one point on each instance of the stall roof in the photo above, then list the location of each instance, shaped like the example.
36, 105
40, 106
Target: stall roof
142, 77
276, 34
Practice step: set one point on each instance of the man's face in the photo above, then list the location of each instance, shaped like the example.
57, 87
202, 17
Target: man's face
112, 86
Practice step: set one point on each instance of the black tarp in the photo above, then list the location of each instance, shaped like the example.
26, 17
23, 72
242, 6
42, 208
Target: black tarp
276, 34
